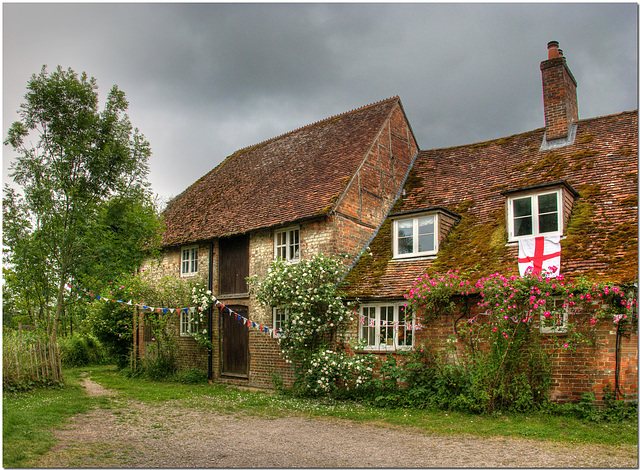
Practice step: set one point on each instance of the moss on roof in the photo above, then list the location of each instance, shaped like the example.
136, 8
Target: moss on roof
601, 238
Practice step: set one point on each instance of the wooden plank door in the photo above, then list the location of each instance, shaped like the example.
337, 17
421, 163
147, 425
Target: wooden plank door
234, 265
235, 342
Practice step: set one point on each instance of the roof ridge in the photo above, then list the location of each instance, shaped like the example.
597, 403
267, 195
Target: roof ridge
531, 131
315, 123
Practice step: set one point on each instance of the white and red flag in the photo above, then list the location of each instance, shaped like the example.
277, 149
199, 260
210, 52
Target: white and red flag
540, 254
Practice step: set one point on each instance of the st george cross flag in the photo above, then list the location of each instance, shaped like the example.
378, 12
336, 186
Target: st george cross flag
540, 254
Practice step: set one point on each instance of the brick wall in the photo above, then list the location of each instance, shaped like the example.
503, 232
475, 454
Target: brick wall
589, 369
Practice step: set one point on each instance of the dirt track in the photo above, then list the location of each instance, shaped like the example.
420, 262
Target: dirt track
134, 434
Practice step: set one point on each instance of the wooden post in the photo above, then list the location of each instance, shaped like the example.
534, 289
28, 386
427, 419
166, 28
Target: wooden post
17, 364
59, 363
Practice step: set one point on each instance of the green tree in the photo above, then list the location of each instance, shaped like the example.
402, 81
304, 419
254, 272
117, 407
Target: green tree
76, 166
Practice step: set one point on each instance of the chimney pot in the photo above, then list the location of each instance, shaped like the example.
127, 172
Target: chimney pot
553, 49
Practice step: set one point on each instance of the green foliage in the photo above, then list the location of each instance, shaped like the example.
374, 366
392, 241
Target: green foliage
112, 324
616, 411
82, 186
80, 351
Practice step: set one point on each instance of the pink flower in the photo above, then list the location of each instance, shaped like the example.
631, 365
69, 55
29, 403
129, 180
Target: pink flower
565, 345
153, 339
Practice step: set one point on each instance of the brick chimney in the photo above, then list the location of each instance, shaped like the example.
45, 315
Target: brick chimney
560, 98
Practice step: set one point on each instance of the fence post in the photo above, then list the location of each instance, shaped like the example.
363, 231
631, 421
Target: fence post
17, 364
34, 361
58, 362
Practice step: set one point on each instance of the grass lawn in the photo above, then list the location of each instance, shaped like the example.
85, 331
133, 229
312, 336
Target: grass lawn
30, 418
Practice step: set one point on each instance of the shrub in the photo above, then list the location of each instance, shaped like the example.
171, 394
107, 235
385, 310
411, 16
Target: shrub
79, 350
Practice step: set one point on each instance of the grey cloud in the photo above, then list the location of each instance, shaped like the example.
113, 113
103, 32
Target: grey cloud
204, 80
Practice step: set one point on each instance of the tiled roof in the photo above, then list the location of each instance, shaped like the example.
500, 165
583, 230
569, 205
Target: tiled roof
600, 239
292, 177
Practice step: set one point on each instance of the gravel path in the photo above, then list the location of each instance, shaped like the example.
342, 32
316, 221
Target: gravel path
134, 434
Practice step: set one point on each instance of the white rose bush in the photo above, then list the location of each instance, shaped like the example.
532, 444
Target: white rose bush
316, 316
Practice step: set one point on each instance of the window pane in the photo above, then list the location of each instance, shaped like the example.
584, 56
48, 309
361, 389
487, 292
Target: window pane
294, 242
405, 228
425, 242
548, 223
425, 225
386, 326
367, 332
547, 203
522, 226
405, 237
522, 207
405, 245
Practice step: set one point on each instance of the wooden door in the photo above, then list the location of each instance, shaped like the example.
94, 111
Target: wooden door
235, 342
234, 265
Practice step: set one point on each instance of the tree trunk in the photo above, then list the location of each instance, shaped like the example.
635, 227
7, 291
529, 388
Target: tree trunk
59, 308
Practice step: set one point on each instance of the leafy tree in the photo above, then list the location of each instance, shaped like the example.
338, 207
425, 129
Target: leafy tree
82, 173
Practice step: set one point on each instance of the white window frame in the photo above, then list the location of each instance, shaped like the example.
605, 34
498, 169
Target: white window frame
416, 224
373, 335
559, 311
189, 264
284, 241
535, 214
187, 323
280, 315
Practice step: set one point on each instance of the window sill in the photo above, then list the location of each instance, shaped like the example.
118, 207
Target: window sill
515, 242
383, 351
415, 258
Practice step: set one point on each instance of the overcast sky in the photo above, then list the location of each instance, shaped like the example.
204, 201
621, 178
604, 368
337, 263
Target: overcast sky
204, 80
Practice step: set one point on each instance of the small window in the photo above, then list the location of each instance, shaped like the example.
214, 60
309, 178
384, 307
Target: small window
535, 215
386, 327
280, 315
189, 264
556, 318
287, 245
188, 323
415, 236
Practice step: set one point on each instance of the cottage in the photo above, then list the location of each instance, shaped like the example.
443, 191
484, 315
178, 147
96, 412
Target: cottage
358, 180
468, 208
323, 188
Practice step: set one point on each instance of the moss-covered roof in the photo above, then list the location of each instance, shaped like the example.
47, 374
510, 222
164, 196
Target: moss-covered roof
601, 236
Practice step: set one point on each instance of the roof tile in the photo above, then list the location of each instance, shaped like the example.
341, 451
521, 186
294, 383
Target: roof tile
288, 178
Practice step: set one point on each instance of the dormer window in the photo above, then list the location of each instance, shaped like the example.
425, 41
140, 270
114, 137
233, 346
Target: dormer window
538, 211
537, 214
419, 233
415, 236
